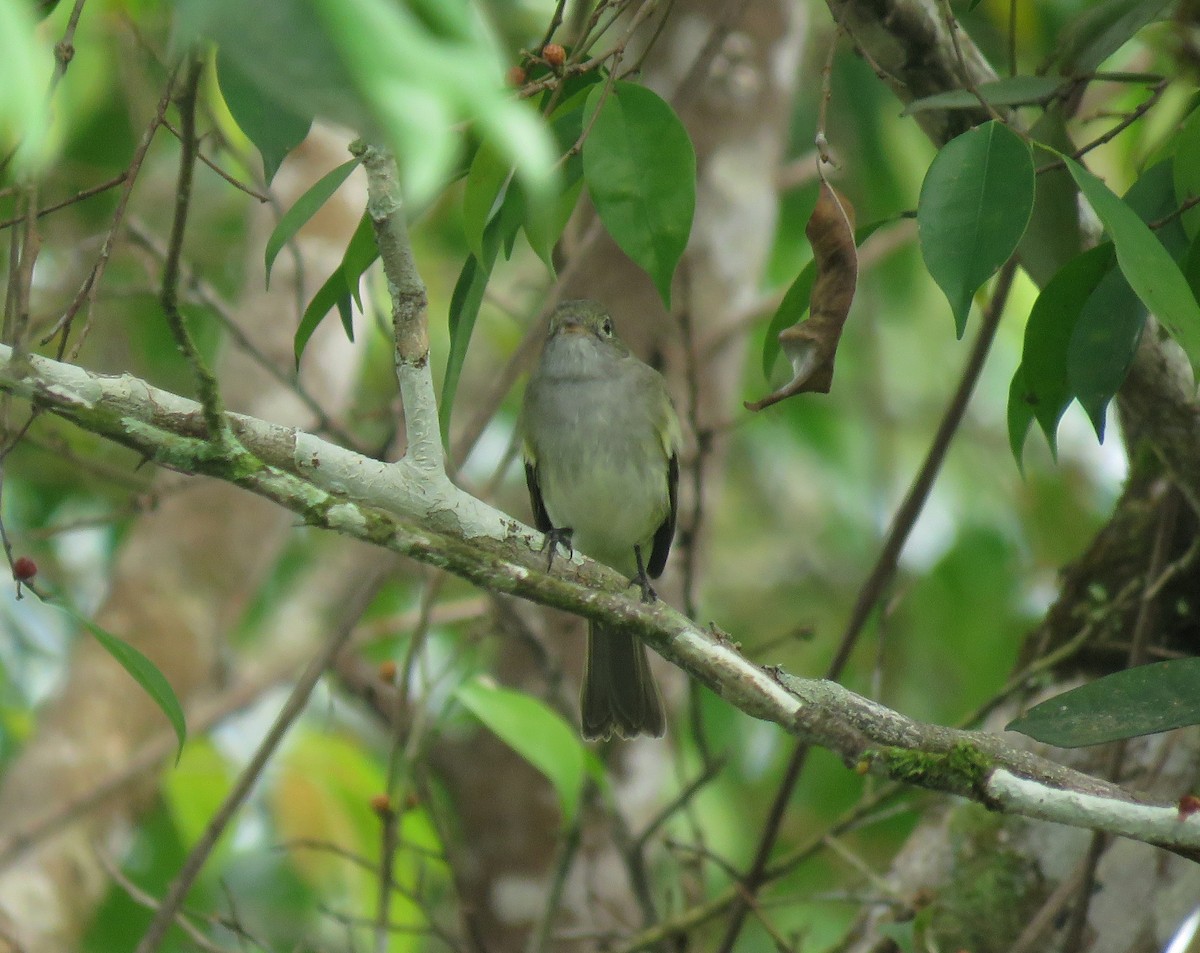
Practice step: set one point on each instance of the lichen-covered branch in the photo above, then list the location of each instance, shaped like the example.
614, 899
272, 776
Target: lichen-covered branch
405, 509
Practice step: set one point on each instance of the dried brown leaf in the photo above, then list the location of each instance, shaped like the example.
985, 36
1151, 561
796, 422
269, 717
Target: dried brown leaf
811, 345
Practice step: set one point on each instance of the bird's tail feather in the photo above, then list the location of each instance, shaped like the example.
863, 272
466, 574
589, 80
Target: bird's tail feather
619, 693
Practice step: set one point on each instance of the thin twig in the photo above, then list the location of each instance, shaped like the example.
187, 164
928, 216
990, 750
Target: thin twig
77, 197
389, 821
207, 387
227, 176
1137, 113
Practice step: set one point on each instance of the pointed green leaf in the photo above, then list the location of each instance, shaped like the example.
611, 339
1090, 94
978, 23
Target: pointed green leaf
1137, 701
1009, 91
305, 208
333, 293
975, 203
1148, 266
143, 671
567, 126
360, 255
534, 732
274, 127
543, 233
640, 170
464, 309
340, 287
1046, 386
1102, 345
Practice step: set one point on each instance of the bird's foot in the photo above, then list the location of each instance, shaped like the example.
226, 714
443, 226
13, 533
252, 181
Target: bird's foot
642, 580
557, 536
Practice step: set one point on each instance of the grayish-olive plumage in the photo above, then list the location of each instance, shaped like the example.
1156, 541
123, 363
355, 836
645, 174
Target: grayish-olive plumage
601, 460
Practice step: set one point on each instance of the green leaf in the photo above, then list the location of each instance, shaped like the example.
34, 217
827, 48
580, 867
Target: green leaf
1010, 91
305, 208
422, 76
567, 127
360, 255
273, 127
143, 671
1102, 28
1186, 169
25, 68
466, 299
1046, 389
464, 309
1102, 345
534, 732
486, 184
975, 203
1191, 266
333, 293
796, 299
1020, 415
1148, 266
640, 170
340, 287
414, 78
1137, 701
543, 233
1085, 326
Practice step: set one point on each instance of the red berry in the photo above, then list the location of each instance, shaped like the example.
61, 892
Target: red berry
1188, 805
387, 670
24, 569
516, 76
381, 804
554, 54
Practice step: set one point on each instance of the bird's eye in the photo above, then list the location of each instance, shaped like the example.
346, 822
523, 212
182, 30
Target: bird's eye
606, 327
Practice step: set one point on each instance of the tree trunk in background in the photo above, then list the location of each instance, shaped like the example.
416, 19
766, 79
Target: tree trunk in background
185, 573
737, 110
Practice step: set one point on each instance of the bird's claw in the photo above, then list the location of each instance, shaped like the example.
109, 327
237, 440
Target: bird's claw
557, 536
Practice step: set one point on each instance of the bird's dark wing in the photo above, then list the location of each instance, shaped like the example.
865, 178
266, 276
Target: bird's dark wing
541, 519
665, 533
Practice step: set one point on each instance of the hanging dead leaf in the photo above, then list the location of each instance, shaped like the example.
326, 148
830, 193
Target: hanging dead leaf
810, 345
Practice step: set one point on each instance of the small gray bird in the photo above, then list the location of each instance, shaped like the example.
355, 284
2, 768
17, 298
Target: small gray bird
601, 461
